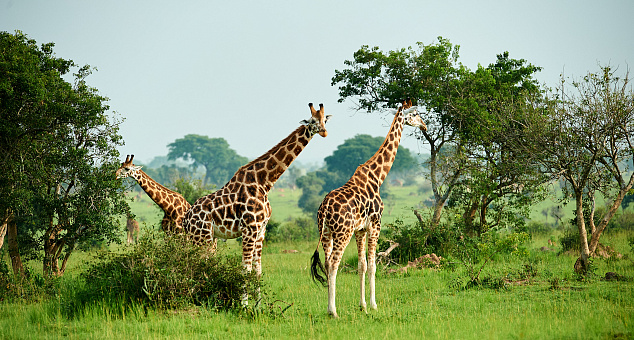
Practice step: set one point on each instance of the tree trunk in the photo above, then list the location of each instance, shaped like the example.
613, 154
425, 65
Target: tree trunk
596, 234
51, 245
14, 249
581, 266
435, 220
469, 217
3, 229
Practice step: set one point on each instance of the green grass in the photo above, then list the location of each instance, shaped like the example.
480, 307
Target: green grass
415, 305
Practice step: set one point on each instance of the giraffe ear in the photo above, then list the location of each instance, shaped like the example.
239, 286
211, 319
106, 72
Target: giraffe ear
327, 117
304, 122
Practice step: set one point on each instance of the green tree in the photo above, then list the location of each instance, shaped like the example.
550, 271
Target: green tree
214, 154
497, 186
312, 187
168, 174
191, 189
586, 137
467, 116
57, 156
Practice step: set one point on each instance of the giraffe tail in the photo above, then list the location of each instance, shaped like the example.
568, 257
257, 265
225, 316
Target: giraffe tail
316, 267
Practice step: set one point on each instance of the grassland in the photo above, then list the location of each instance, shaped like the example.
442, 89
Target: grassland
420, 304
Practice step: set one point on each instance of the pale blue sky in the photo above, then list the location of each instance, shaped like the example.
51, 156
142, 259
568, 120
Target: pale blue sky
246, 70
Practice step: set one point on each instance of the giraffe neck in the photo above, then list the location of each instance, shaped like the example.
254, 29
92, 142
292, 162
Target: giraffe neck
152, 188
270, 166
381, 162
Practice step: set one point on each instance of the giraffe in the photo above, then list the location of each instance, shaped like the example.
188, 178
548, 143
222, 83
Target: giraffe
241, 207
133, 229
356, 208
173, 204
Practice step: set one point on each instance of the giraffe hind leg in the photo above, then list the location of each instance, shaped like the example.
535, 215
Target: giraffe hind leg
332, 265
362, 267
373, 240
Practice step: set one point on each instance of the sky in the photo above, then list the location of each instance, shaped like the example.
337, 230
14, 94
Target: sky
245, 71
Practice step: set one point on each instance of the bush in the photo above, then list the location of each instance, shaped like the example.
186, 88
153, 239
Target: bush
416, 240
569, 240
168, 272
411, 240
298, 229
32, 287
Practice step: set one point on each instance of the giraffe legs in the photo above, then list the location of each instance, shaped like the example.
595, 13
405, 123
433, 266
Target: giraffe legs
362, 268
373, 240
248, 254
332, 265
252, 257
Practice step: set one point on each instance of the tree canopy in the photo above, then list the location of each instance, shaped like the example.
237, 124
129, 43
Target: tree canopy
57, 156
214, 154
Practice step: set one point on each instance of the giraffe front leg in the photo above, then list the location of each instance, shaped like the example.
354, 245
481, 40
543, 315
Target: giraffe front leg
257, 261
362, 268
248, 251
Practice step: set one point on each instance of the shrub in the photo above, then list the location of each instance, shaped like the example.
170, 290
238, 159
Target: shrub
416, 240
411, 240
476, 252
31, 287
169, 272
569, 240
298, 229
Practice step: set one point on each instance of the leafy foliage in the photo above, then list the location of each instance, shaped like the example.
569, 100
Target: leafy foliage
57, 155
191, 189
169, 272
295, 230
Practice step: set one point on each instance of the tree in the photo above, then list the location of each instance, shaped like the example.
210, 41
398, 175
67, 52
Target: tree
497, 185
214, 154
312, 187
57, 156
463, 111
586, 137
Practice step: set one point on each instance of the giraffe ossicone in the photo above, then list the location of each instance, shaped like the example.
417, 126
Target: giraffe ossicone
241, 207
356, 209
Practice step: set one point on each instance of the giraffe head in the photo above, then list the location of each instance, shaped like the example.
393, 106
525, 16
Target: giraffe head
317, 121
127, 168
411, 116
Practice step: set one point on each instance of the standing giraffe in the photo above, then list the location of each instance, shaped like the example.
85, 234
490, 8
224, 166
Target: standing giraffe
133, 229
241, 207
356, 208
173, 204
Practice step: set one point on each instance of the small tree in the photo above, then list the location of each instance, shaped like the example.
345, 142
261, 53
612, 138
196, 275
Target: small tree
586, 137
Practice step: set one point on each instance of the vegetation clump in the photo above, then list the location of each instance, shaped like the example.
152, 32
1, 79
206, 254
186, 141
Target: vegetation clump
169, 272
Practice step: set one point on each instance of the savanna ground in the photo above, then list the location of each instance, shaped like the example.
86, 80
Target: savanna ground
537, 296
